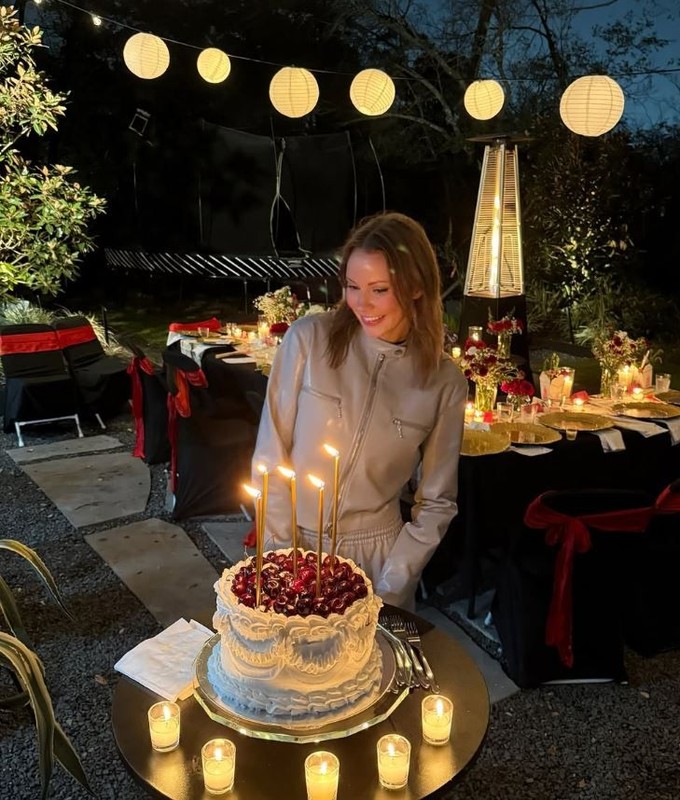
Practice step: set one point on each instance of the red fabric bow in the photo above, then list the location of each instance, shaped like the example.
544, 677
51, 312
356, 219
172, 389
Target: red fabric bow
213, 324
13, 343
573, 535
179, 403
70, 336
133, 368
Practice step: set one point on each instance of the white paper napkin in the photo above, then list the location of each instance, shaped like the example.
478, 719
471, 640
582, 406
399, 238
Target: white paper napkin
165, 663
236, 358
673, 426
611, 440
646, 429
531, 451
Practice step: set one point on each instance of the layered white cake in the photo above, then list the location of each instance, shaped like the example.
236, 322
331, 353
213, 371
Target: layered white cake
297, 655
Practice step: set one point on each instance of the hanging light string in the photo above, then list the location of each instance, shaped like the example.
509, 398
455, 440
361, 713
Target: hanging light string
98, 19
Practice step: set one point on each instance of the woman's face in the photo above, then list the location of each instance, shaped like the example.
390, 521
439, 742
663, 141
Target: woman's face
370, 295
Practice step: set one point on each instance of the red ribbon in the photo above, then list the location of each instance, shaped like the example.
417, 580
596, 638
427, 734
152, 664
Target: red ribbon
574, 537
13, 343
70, 336
213, 324
134, 366
180, 403
668, 502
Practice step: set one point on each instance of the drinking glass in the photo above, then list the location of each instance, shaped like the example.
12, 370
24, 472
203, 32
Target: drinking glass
663, 382
504, 412
527, 413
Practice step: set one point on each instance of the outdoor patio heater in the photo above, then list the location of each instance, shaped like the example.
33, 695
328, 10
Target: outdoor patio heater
494, 280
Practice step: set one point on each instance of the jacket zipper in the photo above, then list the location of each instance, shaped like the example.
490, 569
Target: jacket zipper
400, 424
323, 396
361, 430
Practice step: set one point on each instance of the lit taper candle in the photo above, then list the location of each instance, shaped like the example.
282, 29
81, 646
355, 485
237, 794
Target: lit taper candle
335, 455
259, 538
290, 474
320, 485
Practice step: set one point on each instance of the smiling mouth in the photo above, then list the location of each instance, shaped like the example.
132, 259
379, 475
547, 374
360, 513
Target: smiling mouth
371, 320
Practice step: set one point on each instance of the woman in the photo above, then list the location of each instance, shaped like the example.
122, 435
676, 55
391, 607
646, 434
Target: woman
371, 380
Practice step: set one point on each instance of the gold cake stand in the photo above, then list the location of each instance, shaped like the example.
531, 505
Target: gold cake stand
263, 726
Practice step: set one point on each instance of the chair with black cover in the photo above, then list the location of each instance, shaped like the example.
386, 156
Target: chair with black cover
149, 408
651, 622
558, 604
103, 381
38, 388
211, 445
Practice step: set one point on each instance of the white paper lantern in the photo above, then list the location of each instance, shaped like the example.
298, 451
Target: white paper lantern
213, 65
372, 92
592, 105
294, 91
484, 99
146, 56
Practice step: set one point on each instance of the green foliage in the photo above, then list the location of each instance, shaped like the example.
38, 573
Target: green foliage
16, 653
44, 213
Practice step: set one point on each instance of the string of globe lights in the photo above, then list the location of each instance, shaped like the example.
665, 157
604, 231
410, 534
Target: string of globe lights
590, 106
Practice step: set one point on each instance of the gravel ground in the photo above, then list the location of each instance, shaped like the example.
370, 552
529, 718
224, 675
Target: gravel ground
585, 742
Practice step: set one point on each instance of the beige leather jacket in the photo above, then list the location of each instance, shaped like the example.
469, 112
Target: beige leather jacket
383, 423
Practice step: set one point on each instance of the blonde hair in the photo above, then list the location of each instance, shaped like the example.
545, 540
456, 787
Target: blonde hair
415, 279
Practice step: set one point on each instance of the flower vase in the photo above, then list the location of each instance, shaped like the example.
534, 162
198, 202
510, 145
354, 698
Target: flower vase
485, 395
517, 401
608, 380
503, 344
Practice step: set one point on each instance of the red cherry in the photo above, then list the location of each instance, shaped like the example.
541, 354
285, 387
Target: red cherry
272, 587
344, 586
298, 585
360, 589
355, 578
248, 600
348, 598
291, 610
279, 606
239, 587
320, 607
338, 605
310, 558
307, 574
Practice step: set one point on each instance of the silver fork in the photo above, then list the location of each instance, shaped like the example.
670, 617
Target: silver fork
398, 628
413, 638
404, 675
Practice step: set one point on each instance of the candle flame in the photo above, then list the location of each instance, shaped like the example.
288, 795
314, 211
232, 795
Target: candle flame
316, 481
287, 473
439, 708
331, 451
252, 492
391, 750
323, 767
262, 469
166, 712
218, 754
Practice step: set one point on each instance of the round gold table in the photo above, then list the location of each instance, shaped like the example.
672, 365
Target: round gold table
267, 770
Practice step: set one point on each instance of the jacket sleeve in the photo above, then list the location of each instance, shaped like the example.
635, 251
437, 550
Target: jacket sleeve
435, 502
275, 435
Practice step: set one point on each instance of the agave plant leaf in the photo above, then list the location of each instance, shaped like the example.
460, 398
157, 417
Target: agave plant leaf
39, 566
68, 758
10, 612
27, 666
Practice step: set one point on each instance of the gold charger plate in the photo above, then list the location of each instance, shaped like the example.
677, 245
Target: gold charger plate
647, 410
483, 443
671, 396
527, 433
576, 421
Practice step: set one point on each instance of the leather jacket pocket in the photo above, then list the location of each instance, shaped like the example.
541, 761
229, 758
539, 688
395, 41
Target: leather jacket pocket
329, 398
403, 429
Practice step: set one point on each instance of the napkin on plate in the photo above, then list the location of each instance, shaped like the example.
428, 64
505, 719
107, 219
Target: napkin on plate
673, 426
165, 663
646, 429
531, 451
611, 440
236, 358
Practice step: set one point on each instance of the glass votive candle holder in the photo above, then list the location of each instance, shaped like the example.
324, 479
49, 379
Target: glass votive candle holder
394, 759
570, 433
475, 333
662, 382
504, 412
527, 413
456, 353
218, 757
164, 726
577, 404
637, 393
436, 714
322, 771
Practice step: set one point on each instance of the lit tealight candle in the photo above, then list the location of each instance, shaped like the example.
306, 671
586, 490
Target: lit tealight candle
436, 716
394, 758
478, 415
578, 404
456, 353
638, 393
469, 411
322, 770
164, 726
219, 762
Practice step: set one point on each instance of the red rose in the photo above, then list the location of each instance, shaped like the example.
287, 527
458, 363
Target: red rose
278, 328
